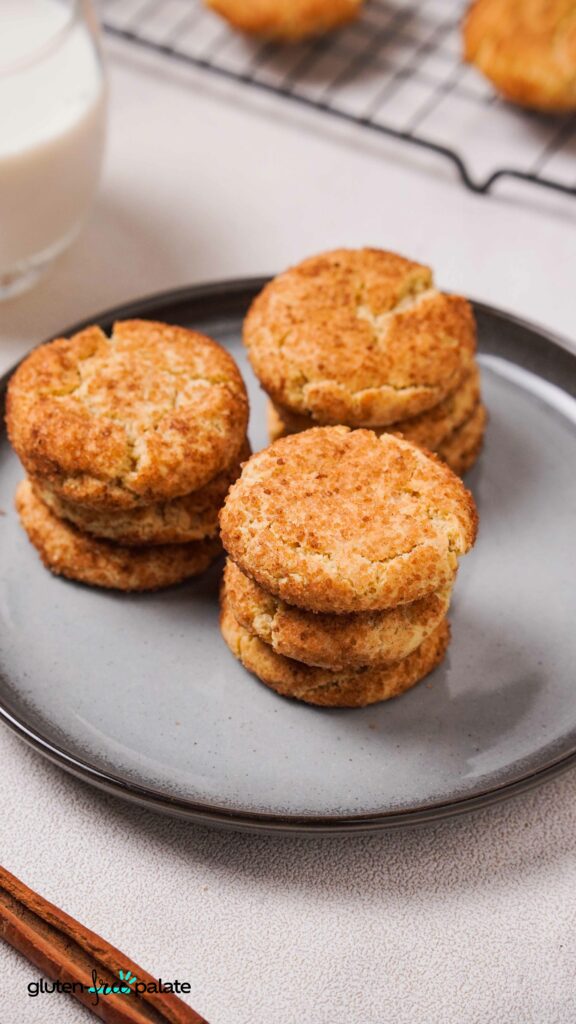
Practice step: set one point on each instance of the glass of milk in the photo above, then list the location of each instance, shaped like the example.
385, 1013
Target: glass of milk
52, 120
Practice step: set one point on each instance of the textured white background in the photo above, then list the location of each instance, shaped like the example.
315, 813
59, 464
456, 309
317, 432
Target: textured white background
468, 922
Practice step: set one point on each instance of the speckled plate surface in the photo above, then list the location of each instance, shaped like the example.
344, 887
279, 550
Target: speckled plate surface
140, 696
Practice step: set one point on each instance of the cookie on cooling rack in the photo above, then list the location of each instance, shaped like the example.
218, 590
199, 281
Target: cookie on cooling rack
526, 48
288, 20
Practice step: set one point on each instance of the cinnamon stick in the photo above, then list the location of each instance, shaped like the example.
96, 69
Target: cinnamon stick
67, 952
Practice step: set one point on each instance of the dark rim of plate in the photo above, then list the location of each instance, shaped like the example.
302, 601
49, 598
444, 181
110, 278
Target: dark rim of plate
232, 298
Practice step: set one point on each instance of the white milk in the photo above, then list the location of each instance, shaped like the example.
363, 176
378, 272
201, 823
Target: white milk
52, 104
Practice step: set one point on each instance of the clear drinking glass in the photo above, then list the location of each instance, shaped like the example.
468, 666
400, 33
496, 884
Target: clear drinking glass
52, 126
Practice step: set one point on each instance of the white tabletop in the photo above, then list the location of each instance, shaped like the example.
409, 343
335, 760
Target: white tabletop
468, 921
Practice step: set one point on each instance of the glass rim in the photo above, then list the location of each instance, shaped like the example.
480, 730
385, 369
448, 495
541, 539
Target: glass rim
44, 49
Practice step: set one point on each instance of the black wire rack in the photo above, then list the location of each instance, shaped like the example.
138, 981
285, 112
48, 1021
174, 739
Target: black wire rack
397, 70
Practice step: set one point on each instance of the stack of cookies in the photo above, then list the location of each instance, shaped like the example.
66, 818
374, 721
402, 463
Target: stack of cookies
343, 549
130, 443
363, 338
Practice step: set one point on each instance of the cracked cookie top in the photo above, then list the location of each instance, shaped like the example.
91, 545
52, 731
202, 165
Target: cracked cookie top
360, 337
339, 520
148, 414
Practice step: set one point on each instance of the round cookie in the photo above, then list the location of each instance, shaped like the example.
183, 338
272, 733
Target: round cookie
192, 517
99, 563
340, 520
429, 429
288, 20
526, 48
332, 689
461, 450
360, 337
335, 642
145, 416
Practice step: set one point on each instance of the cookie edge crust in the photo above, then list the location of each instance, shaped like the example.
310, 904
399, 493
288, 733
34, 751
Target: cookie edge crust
65, 551
100, 524
238, 591
322, 688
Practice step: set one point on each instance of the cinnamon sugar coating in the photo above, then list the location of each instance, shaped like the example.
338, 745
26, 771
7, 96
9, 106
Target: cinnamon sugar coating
341, 520
146, 415
360, 337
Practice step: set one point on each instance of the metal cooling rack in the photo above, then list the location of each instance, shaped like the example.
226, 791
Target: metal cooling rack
396, 71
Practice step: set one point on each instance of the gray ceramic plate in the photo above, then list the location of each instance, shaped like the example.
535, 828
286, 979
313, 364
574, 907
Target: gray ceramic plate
140, 696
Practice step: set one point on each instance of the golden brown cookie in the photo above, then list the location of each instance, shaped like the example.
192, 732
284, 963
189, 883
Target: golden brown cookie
359, 336
145, 416
463, 447
192, 517
100, 563
429, 429
286, 19
336, 642
348, 689
341, 520
526, 48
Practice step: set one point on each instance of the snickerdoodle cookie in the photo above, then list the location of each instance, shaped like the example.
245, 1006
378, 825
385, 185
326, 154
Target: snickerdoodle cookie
336, 642
192, 517
146, 415
68, 552
341, 520
321, 686
526, 48
360, 337
286, 19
